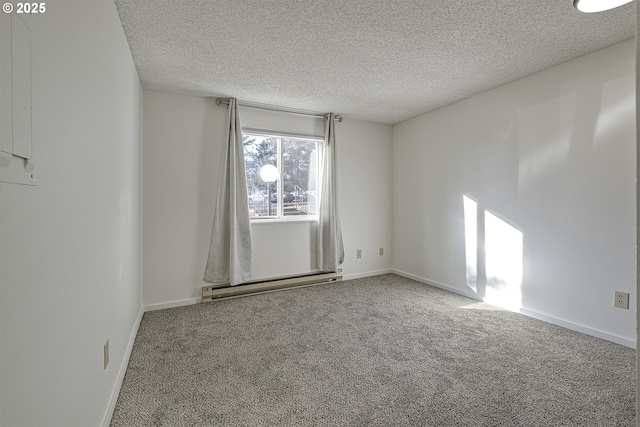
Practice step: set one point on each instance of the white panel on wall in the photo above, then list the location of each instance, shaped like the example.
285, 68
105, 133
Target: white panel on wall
6, 104
21, 77
16, 152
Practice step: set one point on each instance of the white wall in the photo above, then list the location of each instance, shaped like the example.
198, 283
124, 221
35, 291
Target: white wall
552, 155
180, 159
637, 217
183, 144
70, 247
365, 195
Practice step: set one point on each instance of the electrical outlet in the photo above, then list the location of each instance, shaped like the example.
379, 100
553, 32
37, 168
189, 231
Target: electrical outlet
621, 300
381, 251
106, 354
359, 253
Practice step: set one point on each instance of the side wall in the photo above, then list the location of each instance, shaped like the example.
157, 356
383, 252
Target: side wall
183, 146
546, 165
70, 247
637, 52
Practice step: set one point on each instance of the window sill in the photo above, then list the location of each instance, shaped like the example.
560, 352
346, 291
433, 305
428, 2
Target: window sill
293, 218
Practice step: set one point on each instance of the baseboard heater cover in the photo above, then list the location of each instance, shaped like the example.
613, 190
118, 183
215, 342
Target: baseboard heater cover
212, 293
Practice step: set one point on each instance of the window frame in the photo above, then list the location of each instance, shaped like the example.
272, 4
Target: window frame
280, 217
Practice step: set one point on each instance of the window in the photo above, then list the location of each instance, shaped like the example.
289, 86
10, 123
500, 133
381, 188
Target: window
282, 175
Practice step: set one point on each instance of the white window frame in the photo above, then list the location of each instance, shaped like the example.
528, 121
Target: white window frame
280, 217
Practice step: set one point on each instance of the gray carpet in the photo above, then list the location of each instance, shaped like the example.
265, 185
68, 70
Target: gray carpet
379, 351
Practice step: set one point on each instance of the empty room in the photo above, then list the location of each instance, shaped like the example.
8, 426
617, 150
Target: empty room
318, 213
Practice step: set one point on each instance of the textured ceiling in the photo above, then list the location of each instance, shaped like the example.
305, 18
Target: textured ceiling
377, 60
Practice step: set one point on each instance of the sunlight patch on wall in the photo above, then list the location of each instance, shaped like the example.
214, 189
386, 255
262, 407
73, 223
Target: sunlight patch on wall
471, 240
503, 262
494, 253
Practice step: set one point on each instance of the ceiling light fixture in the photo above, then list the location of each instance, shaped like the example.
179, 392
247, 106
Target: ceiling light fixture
591, 6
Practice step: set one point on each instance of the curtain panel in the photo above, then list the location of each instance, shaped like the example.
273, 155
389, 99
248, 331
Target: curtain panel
330, 248
230, 251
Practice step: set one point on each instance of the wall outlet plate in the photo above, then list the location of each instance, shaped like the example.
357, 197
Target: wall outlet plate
621, 300
381, 251
359, 253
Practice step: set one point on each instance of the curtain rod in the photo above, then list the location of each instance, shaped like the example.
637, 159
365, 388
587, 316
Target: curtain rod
225, 101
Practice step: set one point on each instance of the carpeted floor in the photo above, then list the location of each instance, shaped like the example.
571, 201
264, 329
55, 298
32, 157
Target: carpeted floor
379, 351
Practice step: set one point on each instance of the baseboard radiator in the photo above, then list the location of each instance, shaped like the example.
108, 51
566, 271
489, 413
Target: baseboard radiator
213, 293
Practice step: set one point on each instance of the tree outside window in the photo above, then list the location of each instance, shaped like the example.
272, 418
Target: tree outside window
294, 191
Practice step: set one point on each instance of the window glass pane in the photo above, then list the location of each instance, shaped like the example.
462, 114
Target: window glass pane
299, 176
282, 175
261, 158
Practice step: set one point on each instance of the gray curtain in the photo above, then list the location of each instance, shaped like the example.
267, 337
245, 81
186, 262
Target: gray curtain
330, 250
230, 248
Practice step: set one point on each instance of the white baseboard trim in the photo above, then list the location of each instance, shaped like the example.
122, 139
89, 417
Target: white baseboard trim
106, 420
579, 328
366, 274
438, 285
527, 312
172, 304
